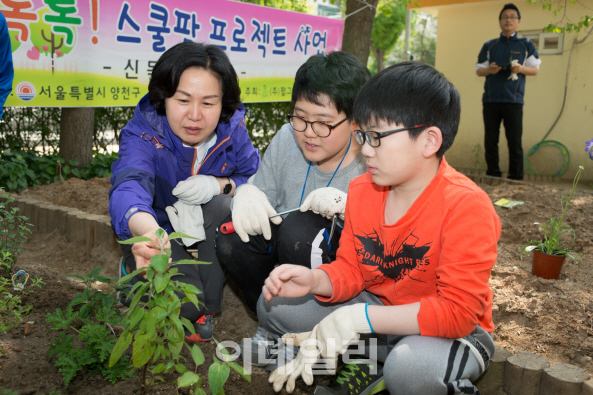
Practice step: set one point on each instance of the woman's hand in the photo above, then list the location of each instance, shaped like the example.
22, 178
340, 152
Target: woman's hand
146, 250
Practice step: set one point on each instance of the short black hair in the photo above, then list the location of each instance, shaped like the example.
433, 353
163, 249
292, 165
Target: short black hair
410, 94
509, 6
338, 75
168, 69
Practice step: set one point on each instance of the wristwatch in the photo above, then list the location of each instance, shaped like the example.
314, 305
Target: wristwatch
228, 188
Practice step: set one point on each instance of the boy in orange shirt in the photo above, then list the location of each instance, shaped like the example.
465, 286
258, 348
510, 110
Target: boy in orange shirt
414, 260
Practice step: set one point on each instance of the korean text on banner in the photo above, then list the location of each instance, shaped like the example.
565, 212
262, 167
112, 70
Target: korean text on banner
76, 53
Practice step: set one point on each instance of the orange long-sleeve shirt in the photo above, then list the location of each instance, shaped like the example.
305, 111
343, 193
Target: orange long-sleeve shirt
440, 253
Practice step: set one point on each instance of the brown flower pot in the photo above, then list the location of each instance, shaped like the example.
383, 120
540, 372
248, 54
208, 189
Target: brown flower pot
547, 266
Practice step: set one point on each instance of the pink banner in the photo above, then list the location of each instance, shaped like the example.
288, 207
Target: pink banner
100, 52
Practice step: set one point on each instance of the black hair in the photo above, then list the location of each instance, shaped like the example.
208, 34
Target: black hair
509, 6
410, 94
168, 69
338, 75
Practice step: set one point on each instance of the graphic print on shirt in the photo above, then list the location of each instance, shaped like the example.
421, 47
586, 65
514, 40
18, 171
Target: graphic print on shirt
401, 259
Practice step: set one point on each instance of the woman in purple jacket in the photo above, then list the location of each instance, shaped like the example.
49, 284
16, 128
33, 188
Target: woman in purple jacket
185, 151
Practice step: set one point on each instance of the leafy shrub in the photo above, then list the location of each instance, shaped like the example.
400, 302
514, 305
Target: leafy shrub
96, 311
21, 169
264, 120
13, 231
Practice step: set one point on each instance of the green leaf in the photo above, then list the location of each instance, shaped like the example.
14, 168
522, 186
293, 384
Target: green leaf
199, 391
137, 315
217, 376
160, 282
239, 369
160, 233
121, 345
138, 295
160, 262
197, 355
158, 368
178, 235
127, 278
191, 262
188, 379
180, 368
137, 239
142, 351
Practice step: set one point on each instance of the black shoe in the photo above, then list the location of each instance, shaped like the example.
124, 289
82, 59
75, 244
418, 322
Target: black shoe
355, 379
204, 329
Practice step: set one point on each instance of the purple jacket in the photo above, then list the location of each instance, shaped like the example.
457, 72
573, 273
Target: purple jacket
152, 160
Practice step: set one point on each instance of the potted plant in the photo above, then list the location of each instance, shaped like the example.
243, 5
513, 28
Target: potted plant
550, 252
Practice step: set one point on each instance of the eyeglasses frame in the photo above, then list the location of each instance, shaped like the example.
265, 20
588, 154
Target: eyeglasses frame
331, 127
380, 135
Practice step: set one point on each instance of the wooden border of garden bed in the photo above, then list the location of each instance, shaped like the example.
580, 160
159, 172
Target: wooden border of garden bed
523, 373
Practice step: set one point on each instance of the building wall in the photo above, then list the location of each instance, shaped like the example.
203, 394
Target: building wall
463, 29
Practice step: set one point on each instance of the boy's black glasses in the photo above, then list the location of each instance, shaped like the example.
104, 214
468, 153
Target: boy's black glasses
320, 128
374, 138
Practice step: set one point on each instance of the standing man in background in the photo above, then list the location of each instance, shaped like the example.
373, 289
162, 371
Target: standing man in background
505, 61
6, 69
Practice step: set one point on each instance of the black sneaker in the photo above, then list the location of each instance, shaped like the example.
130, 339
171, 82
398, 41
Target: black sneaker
355, 379
204, 329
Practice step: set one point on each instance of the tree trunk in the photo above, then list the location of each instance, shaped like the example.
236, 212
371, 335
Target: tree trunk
380, 56
76, 134
358, 28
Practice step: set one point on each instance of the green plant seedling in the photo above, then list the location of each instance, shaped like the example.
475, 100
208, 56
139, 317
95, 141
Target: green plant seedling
97, 312
11, 307
556, 232
154, 328
14, 230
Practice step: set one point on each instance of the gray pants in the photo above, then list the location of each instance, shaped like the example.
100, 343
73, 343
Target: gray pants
412, 364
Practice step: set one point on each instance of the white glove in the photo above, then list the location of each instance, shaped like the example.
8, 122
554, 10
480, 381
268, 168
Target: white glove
513, 76
326, 202
198, 189
188, 219
251, 210
334, 334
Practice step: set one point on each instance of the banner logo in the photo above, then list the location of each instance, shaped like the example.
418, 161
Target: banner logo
26, 91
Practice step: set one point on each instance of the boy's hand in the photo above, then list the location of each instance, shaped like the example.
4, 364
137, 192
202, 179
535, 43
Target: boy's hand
251, 210
335, 332
197, 190
288, 281
326, 202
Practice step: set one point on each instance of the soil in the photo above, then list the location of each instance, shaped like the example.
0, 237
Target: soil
553, 318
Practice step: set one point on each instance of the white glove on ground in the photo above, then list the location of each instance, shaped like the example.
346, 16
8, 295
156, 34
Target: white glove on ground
188, 219
337, 330
251, 210
513, 76
198, 189
326, 202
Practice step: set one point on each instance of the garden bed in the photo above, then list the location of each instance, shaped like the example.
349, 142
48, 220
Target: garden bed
550, 318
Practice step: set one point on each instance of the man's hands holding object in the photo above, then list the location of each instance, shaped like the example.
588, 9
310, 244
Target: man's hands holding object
326, 202
333, 335
251, 211
196, 190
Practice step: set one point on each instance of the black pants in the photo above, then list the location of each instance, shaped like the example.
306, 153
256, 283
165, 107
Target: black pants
511, 114
207, 278
292, 241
